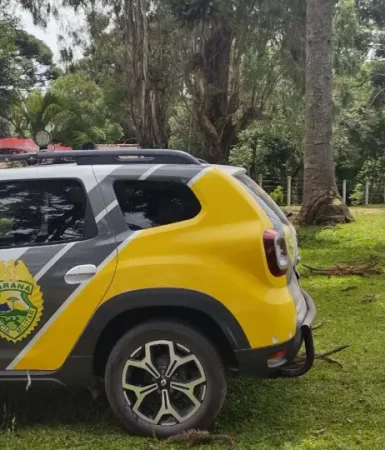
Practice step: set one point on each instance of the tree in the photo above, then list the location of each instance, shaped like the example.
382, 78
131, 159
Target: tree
7, 74
132, 42
322, 203
148, 64
79, 113
233, 56
73, 110
215, 77
25, 62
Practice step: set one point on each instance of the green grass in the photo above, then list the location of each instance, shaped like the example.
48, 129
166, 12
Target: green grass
330, 408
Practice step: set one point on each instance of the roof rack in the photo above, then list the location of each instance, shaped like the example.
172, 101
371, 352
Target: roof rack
96, 157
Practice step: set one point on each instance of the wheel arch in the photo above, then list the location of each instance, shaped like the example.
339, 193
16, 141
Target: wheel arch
121, 313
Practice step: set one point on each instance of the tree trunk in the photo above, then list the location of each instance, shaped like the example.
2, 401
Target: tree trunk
209, 88
149, 114
322, 203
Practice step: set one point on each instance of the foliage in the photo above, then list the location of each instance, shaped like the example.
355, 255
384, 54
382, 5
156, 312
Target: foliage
223, 78
274, 148
372, 11
81, 115
358, 195
278, 195
352, 39
73, 110
184, 133
25, 63
360, 128
232, 75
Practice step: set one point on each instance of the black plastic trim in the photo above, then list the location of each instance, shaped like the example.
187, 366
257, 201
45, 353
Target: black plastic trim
76, 371
161, 297
297, 370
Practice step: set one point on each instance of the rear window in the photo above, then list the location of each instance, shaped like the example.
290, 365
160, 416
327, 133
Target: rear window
149, 204
263, 199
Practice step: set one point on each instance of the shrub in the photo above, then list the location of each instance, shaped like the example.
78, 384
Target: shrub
277, 195
358, 195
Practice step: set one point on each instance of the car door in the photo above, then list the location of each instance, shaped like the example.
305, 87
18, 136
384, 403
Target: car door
57, 259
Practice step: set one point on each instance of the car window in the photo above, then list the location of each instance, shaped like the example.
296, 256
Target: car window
40, 212
148, 204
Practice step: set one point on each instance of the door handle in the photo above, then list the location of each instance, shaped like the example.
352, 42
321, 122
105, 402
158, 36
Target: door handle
78, 274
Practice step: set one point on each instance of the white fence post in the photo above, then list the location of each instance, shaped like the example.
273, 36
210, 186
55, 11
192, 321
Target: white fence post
260, 179
344, 191
289, 190
367, 193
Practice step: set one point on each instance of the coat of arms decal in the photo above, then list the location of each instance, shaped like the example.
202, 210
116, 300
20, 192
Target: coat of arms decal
21, 301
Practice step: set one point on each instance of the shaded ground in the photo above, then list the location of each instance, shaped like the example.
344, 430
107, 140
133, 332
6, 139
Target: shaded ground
330, 408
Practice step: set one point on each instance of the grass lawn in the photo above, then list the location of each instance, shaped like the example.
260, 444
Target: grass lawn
330, 408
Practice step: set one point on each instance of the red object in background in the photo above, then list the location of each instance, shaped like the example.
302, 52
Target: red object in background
27, 145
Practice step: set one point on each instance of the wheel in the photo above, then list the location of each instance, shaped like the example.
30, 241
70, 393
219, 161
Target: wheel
163, 378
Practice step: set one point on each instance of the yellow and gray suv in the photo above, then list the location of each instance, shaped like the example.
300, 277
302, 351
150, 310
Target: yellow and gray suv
152, 271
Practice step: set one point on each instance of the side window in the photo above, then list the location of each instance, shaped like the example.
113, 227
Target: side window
148, 204
40, 212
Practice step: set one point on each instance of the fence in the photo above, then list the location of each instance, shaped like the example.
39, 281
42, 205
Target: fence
366, 194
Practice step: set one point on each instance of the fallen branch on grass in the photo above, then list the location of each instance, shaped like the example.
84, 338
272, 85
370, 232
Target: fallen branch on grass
369, 299
338, 270
193, 438
349, 288
326, 356
319, 325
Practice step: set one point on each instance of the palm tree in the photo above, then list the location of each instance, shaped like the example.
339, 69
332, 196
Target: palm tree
67, 122
40, 109
13, 300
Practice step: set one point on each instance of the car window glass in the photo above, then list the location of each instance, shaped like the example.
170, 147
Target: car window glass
148, 204
38, 212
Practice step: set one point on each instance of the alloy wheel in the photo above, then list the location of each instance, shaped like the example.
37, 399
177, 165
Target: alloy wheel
164, 383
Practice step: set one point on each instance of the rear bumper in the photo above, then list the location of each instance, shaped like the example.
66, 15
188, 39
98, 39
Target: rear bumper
254, 362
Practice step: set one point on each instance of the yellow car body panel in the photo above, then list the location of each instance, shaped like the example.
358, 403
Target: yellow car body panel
219, 253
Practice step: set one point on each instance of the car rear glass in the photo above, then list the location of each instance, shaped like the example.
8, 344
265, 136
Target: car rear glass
263, 199
149, 204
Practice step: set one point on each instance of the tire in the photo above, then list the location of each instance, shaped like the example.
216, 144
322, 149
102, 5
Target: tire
203, 372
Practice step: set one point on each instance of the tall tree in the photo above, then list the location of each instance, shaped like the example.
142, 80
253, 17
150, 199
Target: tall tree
233, 55
132, 42
148, 65
322, 202
25, 63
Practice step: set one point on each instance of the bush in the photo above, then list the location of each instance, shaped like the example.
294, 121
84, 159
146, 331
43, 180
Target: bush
358, 195
277, 195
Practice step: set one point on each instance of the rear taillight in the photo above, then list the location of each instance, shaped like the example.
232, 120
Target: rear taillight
277, 358
276, 252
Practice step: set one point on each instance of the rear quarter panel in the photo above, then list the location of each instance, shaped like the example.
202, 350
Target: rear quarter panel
219, 253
